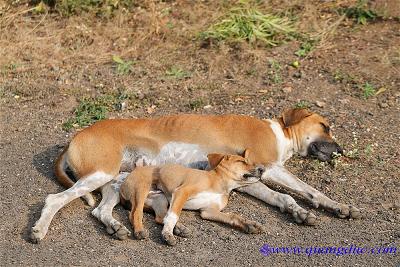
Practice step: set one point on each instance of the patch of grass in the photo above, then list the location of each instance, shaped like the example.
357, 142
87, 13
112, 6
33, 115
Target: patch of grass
9, 67
368, 90
196, 104
360, 12
274, 74
247, 23
177, 73
305, 48
302, 104
102, 8
122, 66
92, 109
88, 111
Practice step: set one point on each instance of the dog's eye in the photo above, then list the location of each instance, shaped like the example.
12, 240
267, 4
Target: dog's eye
325, 127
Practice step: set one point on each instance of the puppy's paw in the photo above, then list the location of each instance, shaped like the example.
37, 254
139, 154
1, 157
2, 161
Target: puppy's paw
143, 234
181, 230
169, 238
303, 216
355, 213
252, 227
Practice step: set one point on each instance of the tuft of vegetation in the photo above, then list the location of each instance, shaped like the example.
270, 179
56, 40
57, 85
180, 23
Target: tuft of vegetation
102, 8
305, 48
247, 23
368, 90
195, 104
302, 104
177, 73
92, 109
274, 74
122, 66
360, 12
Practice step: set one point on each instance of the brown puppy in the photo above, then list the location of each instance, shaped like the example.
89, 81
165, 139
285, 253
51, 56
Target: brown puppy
98, 153
207, 191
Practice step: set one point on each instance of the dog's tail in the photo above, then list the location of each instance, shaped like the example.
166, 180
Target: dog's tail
60, 167
64, 179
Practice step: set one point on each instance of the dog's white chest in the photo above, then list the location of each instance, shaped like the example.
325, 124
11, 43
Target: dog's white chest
205, 199
284, 146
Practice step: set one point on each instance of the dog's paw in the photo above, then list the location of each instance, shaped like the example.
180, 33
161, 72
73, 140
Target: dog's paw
304, 216
181, 230
119, 231
348, 211
252, 227
36, 235
143, 234
169, 238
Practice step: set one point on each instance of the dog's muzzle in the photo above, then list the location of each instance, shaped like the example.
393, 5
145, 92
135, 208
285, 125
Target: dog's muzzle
324, 150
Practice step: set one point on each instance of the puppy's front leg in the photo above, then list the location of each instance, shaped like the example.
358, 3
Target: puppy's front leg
179, 197
235, 220
278, 175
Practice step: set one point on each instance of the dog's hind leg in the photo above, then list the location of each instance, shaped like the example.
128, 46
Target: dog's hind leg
110, 198
283, 201
54, 202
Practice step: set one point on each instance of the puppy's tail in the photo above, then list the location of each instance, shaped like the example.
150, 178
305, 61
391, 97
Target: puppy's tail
60, 167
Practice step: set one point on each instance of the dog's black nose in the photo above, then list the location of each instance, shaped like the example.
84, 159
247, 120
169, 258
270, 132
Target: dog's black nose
260, 169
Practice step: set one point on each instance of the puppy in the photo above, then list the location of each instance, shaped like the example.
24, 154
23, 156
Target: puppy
184, 188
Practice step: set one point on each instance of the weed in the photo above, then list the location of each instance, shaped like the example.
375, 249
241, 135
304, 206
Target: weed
275, 73
360, 12
122, 66
177, 73
92, 109
305, 48
302, 104
247, 23
196, 104
88, 111
72, 7
368, 90
9, 67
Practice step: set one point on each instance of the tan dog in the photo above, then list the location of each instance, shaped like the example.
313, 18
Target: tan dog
207, 191
98, 153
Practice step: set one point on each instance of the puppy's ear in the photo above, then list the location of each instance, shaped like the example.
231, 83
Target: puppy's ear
214, 159
292, 116
246, 153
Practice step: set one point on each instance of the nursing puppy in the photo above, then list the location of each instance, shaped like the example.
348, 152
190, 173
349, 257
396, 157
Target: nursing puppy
207, 191
96, 155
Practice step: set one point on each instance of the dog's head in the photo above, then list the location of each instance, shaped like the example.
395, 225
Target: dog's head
237, 168
312, 134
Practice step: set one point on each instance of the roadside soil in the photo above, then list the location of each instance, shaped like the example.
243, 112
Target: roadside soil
48, 67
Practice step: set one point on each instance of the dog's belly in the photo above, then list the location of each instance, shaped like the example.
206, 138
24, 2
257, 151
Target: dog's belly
204, 200
188, 155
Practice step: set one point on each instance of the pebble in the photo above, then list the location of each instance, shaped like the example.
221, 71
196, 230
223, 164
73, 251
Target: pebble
383, 105
320, 104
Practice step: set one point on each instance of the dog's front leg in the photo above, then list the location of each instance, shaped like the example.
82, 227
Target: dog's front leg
283, 201
278, 175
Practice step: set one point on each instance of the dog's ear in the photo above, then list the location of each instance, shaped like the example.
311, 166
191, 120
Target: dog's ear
292, 116
214, 159
246, 153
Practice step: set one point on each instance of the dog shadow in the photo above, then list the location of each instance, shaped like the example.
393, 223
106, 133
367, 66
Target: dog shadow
43, 162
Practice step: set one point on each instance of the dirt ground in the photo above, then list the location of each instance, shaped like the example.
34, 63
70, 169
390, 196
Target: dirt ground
49, 63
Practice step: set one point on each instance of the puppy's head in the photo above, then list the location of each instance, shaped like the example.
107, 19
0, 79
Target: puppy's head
312, 134
237, 168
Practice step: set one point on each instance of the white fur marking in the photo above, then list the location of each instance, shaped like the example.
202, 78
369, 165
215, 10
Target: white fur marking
284, 145
170, 221
203, 200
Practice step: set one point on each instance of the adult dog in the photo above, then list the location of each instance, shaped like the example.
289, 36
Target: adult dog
98, 153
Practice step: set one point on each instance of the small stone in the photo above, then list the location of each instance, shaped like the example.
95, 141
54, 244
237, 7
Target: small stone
207, 107
320, 104
16, 96
383, 105
297, 74
287, 89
